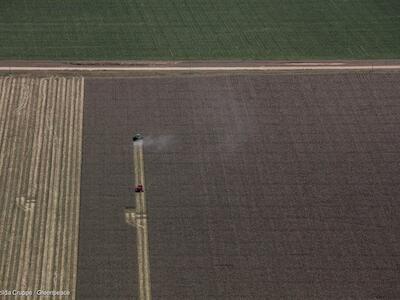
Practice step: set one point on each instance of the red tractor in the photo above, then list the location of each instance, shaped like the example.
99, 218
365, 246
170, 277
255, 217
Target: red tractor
139, 188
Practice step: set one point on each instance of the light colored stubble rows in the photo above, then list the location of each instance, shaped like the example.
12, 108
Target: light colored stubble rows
40, 161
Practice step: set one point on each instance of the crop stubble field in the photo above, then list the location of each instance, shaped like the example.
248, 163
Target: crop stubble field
207, 29
40, 159
258, 186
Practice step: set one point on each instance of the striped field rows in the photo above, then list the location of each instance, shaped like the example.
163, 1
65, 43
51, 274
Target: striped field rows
40, 161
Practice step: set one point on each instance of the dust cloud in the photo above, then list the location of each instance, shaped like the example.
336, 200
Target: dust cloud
158, 143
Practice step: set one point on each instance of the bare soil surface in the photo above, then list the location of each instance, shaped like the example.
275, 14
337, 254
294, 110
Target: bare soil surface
257, 186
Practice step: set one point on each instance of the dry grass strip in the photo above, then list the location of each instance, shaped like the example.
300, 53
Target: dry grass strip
40, 160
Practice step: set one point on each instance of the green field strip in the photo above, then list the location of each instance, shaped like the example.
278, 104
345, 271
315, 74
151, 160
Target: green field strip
225, 29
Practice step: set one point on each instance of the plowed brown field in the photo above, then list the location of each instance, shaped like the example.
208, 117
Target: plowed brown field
257, 187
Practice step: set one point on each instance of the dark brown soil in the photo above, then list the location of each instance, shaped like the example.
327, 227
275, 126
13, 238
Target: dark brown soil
258, 187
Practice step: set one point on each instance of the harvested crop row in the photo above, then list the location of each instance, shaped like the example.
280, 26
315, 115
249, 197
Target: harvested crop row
40, 155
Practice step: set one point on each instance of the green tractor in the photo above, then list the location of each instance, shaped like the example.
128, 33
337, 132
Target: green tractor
137, 137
